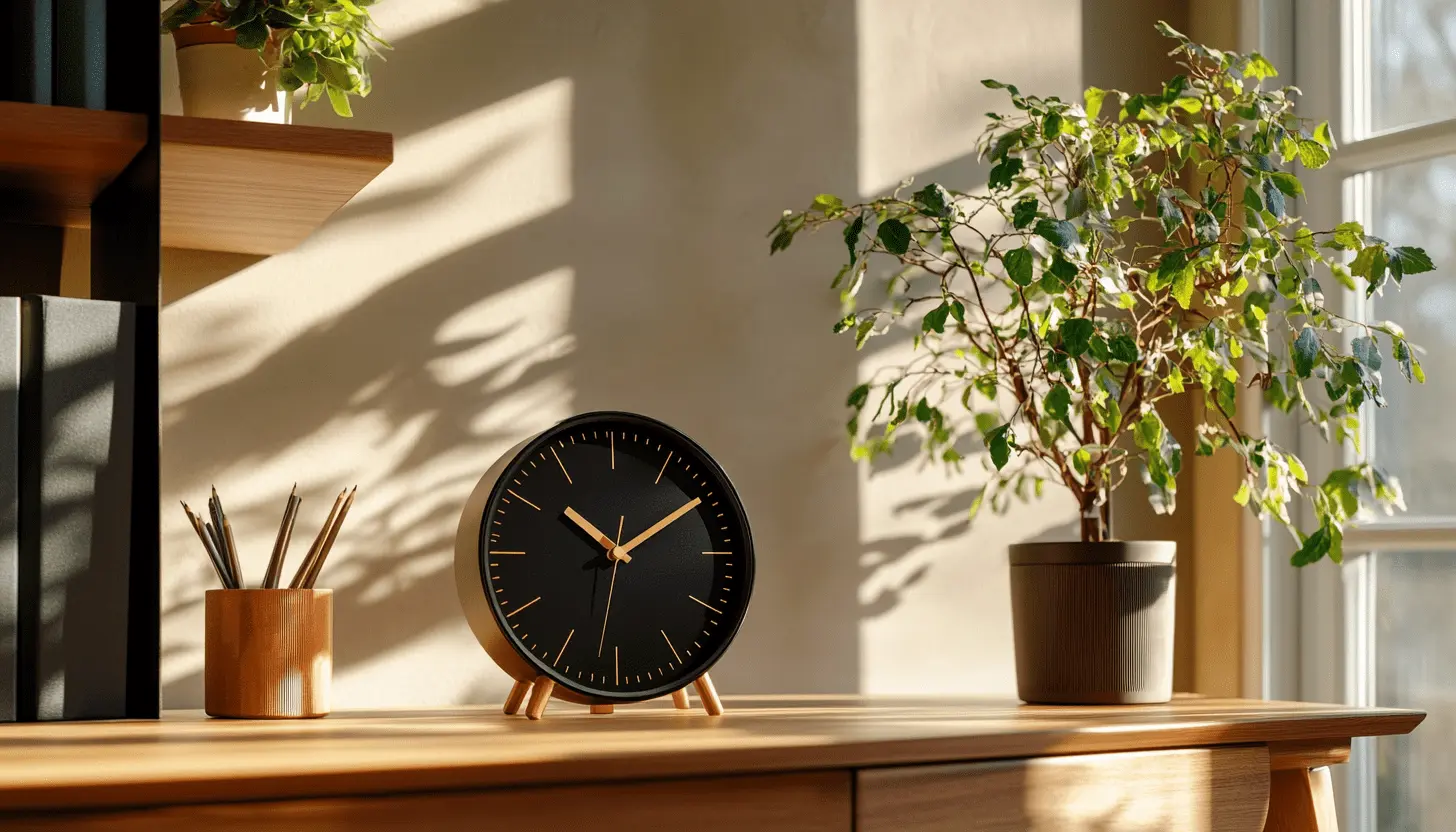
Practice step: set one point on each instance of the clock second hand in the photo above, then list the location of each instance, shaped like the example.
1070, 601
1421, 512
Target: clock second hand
615, 563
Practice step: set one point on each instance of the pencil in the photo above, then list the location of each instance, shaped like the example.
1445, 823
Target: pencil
223, 529
318, 563
212, 556
214, 538
318, 542
280, 544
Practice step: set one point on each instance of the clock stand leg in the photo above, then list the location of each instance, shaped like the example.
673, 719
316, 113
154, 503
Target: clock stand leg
711, 703
601, 709
516, 697
680, 699
540, 695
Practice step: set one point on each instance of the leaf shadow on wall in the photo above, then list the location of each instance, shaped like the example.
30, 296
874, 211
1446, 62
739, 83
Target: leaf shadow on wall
682, 151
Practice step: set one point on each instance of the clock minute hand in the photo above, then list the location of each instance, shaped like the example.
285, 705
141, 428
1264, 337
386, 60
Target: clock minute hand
596, 534
660, 525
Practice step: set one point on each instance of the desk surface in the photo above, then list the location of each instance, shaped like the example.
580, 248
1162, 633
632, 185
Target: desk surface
188, 758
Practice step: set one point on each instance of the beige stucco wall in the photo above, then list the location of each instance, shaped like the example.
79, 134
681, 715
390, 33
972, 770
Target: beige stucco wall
575, 221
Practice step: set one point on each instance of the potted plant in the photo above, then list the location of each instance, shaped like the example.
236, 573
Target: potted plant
243, 59
1126, 249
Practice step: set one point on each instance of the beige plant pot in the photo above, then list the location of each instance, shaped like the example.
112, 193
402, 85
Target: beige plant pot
220, 80
1093, 622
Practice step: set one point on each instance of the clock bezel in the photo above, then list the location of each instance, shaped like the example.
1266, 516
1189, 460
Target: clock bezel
481, 608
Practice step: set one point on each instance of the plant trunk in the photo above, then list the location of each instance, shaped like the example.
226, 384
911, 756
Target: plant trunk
1096, 519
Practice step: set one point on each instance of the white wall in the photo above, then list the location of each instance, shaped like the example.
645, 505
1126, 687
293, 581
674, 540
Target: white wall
575, 221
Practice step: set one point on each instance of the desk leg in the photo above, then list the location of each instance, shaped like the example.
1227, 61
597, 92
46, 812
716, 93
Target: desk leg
1301, 800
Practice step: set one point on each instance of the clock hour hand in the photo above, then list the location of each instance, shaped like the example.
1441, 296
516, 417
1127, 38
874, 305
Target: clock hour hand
596, 534
659, 525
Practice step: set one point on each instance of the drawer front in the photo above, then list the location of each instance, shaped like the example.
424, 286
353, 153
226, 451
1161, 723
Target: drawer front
1181, 790
818, 802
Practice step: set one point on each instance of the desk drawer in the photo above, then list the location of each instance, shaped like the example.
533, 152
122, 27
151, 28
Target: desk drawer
1181, 790
818, 802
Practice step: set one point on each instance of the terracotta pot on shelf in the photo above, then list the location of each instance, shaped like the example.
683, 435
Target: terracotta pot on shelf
221, 80
1093, 622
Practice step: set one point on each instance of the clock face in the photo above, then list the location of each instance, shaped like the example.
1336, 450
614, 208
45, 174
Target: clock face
616, 557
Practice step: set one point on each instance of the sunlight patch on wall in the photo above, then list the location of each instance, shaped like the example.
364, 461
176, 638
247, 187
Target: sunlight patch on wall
921, 103
400, 20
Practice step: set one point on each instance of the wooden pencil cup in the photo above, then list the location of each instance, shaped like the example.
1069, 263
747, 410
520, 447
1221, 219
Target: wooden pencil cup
269, 653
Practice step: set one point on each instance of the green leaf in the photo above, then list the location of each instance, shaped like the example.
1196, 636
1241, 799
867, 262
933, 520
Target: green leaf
305, 67
1322, 135
1366, 351
1076, 335
1315, 547
1062, 269
935, 200
1169, 213
1273, 198
999, 441
1312, 154
1051, 126
1060, 233
1148, 432
828, 204
1057, 401
858, 396
851, 237
1077, 202
1404, 359
1124, 349
253, 34
1406, 260
1002, 174
1242, 495
1175, 380
1259, 67
1024, 212
934, 320
1349, 235
1205, 227
1252, 199
1092, 97
1018, 264
895, 236
863, 332
1306, 350
923, 410
1183, 288
1288, 184
1169, 32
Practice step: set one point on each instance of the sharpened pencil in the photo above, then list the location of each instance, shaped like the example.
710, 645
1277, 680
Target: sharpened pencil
318, 542
318, 563
280, 544
212, 555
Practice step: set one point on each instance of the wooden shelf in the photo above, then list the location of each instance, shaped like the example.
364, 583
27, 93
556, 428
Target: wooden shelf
55, 160
259, 188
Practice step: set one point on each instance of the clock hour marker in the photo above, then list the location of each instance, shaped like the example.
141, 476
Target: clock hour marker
563, 466
523, 499
612, 437
669, 645
616, 665
717, 553
495, 552
695, 598
537, 598
663, 468
563, 647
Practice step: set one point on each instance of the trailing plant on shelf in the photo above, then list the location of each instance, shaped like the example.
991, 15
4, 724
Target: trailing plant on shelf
1127, 249
320, 46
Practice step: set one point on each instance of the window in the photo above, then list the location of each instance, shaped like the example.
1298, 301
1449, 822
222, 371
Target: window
1382, 630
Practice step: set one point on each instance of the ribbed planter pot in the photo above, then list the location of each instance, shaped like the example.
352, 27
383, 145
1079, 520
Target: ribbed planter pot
1093, 622
218, 79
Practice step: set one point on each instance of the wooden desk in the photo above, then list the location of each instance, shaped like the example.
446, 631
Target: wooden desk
772, 764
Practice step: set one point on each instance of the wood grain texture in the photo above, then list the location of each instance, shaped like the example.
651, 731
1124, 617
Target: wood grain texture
268, 653
1301, 800
256, 188
818, 802
55, 160
1308, 754
186, 758
1189, 790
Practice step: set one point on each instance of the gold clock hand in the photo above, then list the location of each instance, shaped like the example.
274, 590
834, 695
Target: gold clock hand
660, 525
586, 525
613, 586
